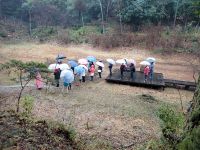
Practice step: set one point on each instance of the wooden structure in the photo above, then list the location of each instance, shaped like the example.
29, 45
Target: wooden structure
187, 85
157, 82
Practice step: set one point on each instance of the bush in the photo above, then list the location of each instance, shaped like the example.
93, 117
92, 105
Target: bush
3, 34
27, 104
179, 40
44, 33
116, 40
77, 35
172, 123
191, 142
63, 37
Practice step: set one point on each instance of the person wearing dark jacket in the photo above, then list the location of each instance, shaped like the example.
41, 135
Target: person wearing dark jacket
122, 69
132, 70
100, 69
57, 76
110, 68
151, 71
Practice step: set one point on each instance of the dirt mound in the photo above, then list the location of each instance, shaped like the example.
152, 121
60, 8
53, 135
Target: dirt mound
17, 133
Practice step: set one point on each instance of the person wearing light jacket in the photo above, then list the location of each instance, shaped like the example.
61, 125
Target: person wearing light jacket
92, 71
146, 73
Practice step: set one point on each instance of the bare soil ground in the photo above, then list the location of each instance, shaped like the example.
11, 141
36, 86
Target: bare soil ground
177, 66
118, 114
17, 133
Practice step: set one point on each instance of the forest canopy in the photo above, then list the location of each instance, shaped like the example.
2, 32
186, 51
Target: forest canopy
79, 12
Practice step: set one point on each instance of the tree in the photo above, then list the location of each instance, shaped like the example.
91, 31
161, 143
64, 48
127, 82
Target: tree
179, 5
196, 10
29, 69
28, 5
102, 17
80, 7
119, 8
190, 139
142, 11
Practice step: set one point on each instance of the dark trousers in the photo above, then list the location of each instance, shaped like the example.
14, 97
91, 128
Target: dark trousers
83, 78
91, 78
72, 69
70, 86
145, 77
57, 82
110, 69
122, 73
132, 75
151, 75
99, 74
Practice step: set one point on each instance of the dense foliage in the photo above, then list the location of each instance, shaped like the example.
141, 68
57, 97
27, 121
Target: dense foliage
191, 137
179, 132
79, 12
166, 25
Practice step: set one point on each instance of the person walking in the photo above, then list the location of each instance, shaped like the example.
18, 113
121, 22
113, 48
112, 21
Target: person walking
132, 70
67, 86
72, 69
146, 73
92, 71
57, 76
122, 69
90, 64
151, 71
110, 68
83, 75
38, 81
100, 69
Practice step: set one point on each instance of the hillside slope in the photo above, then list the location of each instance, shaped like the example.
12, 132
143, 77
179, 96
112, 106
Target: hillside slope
17, 133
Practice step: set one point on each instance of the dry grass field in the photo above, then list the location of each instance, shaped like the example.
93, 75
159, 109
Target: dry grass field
103, 113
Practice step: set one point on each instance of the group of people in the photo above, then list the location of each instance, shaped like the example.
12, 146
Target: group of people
91, 69
148, 71
130, 68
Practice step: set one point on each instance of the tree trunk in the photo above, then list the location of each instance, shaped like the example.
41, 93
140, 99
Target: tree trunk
19, 97
175, 14
102, 18
30, 22
120, 20
181, 101
0, 10
107, 9
82, 19
20, 93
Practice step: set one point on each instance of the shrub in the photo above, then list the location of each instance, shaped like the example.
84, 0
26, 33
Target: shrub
116, 40
93, 144
172, 123
63, 37
27, 104
191, 142
43, 33
3, 34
